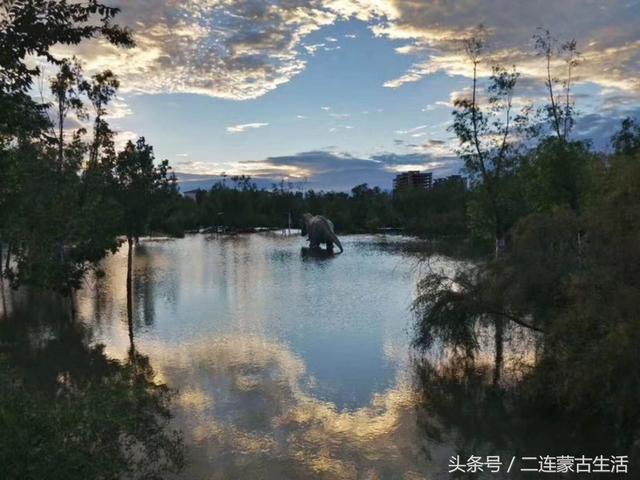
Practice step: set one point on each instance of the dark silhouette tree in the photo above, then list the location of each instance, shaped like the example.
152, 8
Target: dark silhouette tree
100, 91
488, 136
140, 183
627, 140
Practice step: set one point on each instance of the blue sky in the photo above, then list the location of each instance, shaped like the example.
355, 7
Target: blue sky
343, 92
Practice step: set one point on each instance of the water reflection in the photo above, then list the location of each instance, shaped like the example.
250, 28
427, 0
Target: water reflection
67, 410
286, 367
461, 412
246, 412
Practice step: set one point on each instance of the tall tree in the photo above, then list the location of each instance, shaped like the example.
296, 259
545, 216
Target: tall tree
488, 134
560, 109
101, 90
626, 141
140, 184
66, 87
39, 185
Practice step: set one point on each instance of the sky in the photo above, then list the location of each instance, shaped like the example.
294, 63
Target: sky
334, 93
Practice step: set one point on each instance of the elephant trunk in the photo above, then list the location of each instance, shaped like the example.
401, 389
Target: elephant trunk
337, 242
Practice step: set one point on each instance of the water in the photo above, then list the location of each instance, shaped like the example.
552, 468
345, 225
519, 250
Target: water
286, 366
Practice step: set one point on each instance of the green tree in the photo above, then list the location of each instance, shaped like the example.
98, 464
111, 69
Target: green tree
140, 183
627, 140
66, 88
559, 112
100, 91
49, 241
488, 136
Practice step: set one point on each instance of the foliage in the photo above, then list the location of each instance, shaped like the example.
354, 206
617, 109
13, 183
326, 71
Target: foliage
64, 201
139, 182
627, 140
569, 276
241, 205
489, 136
67, 411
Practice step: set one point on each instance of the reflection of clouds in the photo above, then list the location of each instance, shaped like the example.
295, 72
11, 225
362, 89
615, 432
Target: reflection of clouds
242, 396
251, 405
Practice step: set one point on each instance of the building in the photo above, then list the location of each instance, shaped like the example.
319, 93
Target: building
413, 179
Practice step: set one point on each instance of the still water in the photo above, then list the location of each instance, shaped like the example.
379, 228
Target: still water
285, 366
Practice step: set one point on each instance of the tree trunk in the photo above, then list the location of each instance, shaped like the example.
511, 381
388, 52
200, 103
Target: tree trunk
498, 322
499, 350
501, 240
8, 260
500, 246
130, 288
72, 306
60, 136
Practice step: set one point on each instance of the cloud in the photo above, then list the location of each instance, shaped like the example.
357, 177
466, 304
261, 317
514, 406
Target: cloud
329, 169
243, 127
233, 49
438, 104
411, 130
342, 171
340, 127
123, 137
312, 49
242, 49
606, 33
117, 109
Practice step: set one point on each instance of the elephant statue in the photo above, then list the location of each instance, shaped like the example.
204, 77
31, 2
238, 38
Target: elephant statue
320, 230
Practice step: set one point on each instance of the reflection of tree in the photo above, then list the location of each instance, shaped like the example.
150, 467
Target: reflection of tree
68, 411
143, 284
460, 407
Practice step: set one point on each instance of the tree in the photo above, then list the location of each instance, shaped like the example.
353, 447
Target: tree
66, 87
560, 109
627, 140
554, 173
44, 220
488, 136
140, 183
101, 91
32, 27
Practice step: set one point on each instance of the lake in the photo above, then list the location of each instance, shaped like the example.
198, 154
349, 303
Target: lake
285, 366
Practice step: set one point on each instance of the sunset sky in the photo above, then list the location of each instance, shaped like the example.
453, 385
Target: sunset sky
342, 92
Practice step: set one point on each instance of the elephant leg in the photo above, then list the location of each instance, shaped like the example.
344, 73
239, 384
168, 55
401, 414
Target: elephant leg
314, 245
329, 246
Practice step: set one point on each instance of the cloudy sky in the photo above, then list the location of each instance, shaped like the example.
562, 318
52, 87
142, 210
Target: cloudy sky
339, 92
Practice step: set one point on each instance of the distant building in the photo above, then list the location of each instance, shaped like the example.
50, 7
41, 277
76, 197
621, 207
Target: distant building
192, 194
413, 179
